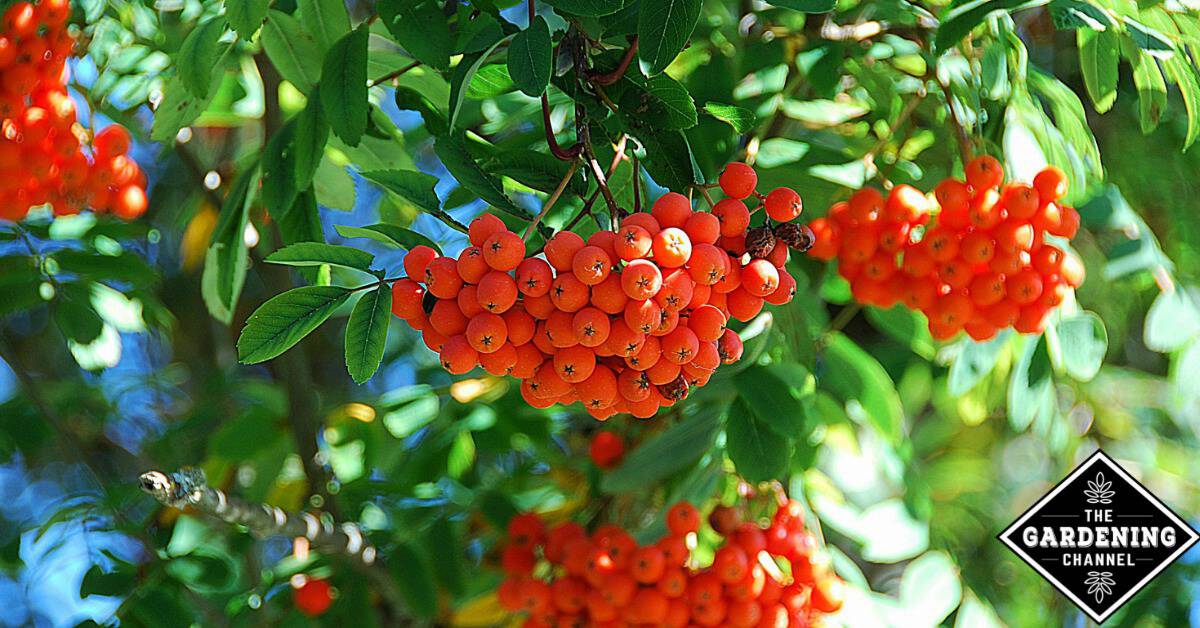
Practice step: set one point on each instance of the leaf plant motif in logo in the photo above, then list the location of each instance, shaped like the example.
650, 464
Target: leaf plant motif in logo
1099, 490
1100, 584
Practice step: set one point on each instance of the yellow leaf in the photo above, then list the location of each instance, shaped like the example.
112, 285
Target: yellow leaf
197, 237
480, 612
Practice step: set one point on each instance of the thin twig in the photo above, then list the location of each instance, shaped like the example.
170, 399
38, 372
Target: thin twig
960, 132
905, 113
394, 75
555, 149
637, 185
189, 488
562, 185
704, 193
609, 78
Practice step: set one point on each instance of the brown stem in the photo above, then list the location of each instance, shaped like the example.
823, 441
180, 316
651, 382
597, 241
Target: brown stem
608, 78
555, 149
562, 185
637, 185
394, 75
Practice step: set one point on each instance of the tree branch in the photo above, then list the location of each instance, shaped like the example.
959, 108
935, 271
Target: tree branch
612, 77
394, 75
189, 488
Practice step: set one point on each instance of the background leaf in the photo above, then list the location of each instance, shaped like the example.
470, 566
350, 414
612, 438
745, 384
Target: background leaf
663, 30
344, 86
286, 319
366, 333
529, 58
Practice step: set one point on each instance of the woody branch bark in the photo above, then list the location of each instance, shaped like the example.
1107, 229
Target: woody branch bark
189, 488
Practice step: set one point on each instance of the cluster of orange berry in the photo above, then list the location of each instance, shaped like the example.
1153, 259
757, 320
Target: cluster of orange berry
625, 321
982, 264
41, 160
768, 576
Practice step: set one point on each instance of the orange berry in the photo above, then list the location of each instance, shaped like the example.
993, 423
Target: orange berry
683, 519
707, 264
1051, 184
702, 228
672, 210
1024, 287
471, 265
738, 180
894, 236
633, 242
609, 295
560, 249
623, 340
483, 227
956, 273
407, 296
642, 315
111, 141
680, 346
986, 289
952, 310
447, 319
534, 277
672, 248
643, 220
787, 289
500, 362
707, 322
641, 279
865, 205
568, 293
458, 356
1047, 260
760, 278
984, 172
468, 301
591, 265
591, 327
730, 347
733, 215
503, 250
906, 204
1021, 201
497, 292
599, 389
1014, 234
743, 305
486, 332
941, 244
633, 385
574, 364
130, 202
314, 597
826, 238
977, 248
858, 245
1032, 319
783, 204
676, 291
985, 211
442, 278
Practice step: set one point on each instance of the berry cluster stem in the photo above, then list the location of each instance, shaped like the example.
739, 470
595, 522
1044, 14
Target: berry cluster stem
562, 185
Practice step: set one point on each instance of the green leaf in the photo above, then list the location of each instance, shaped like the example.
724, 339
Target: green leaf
317, 253
1184, 75
366, 333
587, 8
530, 58
1084, 343
1073, 14
490, 81
245, 16
116, 583
1151, 88
962, 17
446, 543
974, 361
1172, 321
344, 86
660, 102
310, 136
1030, 387
286, 319
415, 187
226, 261
420, 28
742, 120
664, 28
279, 188
124, 266
460, 79
1099, 54
74, 315
292, 51
325, 20
199, 55
301, 222
758, 453
539, 171
853, 375
904, 325
674, 449
930, 589
452, 150
808, 6
773, 394
668, 158
1148, 39
391, 235
179, 108
412, 574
